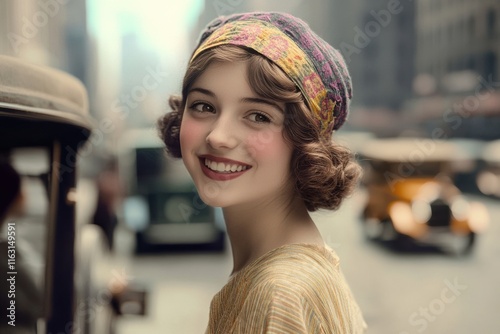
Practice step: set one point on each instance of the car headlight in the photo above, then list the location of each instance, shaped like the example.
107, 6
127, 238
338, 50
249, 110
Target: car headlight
421, 211
402, 218
488, 183
480, 218
460, 208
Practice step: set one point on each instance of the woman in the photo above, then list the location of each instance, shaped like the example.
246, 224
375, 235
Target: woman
260, 99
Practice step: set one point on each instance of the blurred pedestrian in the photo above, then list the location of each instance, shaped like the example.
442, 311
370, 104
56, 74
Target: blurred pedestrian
260, 100
109, 194
18, 288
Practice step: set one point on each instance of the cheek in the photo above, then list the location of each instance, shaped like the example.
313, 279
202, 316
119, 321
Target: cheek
268, 145
190, 135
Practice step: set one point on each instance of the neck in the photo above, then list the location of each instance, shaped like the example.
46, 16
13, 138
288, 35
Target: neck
256, 229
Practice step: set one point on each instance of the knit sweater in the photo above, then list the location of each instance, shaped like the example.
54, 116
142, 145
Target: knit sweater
297, 288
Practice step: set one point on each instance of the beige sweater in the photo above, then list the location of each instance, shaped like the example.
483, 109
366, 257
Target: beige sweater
296, 288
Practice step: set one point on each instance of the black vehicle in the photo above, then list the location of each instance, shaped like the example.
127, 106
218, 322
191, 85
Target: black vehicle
44, 122
163, 208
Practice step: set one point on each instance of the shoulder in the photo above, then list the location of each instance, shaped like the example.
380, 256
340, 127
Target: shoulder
298, 265
297, 275
294, 289
306, 281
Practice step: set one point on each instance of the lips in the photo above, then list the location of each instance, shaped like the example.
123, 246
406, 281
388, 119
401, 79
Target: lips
221, 168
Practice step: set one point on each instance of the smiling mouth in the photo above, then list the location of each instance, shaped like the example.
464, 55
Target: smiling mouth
224, 168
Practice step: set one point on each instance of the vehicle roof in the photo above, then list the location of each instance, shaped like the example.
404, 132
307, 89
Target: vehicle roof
141, 138
31, 92
414, 150
354, 140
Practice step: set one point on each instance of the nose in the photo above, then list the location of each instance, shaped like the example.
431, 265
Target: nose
222, 135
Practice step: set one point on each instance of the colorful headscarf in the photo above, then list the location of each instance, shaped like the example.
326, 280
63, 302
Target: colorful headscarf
318, 70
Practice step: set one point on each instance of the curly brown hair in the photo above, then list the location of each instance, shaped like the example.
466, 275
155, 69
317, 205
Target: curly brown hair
324, 172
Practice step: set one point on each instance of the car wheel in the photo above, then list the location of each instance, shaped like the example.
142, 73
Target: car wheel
141, 245
462, 244
396, 240
389, 233
373, 229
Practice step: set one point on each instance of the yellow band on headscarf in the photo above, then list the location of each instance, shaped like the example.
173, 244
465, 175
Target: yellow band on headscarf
275, 45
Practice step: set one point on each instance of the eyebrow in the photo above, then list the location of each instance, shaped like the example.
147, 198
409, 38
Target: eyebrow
201, 90
262, 101
244, 100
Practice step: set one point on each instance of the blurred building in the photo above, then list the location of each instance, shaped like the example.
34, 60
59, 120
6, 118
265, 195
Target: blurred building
32, 32
456, 36
457, 93
317, 13
51, 33
382, 52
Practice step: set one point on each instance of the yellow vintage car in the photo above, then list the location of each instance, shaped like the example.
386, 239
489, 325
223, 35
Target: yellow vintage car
411, 196
488, 179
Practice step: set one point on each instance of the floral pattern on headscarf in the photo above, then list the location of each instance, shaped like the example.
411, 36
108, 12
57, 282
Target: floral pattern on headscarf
317, 69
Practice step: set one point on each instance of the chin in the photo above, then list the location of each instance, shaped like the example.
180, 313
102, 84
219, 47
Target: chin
212, 194
215, 203
217, 200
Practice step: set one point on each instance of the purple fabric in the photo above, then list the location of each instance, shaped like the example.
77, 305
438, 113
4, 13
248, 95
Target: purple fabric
328, 62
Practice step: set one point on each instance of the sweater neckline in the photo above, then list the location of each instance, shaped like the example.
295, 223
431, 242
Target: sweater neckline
323, 249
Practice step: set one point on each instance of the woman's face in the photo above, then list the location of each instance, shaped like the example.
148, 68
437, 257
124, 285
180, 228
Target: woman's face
232, 140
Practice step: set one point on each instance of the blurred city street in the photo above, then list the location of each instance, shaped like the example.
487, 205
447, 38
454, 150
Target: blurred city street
399, 293
425, 80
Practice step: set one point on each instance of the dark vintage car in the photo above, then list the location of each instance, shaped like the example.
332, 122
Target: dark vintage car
162, 206
412, 198
44, 123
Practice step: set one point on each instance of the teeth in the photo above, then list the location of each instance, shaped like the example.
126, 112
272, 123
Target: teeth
224, 168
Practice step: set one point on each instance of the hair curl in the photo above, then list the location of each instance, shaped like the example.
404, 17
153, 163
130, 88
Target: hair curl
324, 171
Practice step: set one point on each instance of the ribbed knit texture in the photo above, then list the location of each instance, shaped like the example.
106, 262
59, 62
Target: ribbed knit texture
296, 288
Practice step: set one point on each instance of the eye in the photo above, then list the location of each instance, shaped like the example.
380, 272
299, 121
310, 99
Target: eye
258, 117
202, 107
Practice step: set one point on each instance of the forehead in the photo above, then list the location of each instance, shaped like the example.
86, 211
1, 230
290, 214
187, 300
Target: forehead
229, 81
225, 77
